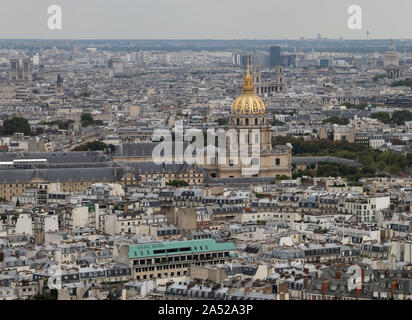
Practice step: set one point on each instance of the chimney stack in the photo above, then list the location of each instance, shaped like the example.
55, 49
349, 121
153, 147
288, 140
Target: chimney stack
358, 292
338, 274
325, 285
394, 285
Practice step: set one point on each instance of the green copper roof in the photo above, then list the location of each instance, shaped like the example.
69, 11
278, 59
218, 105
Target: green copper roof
178, 247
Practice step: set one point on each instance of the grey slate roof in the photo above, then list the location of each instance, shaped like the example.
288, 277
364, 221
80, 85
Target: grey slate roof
57, 175
139, 149
58, 157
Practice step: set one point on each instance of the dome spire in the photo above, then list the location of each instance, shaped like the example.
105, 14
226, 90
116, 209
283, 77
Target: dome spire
248, 80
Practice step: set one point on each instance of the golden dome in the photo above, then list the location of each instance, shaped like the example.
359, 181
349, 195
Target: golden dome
248, 102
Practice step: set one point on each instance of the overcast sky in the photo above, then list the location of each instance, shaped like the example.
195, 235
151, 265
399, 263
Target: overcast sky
205, 19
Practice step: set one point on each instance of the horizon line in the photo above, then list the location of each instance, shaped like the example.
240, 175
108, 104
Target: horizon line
204, 39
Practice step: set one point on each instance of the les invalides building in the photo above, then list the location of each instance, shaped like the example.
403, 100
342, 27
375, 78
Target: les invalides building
248, 113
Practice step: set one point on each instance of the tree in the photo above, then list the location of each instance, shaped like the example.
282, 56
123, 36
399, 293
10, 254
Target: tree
39, 131
94, 146
379, 76
177, 183
402, 83
52, 295
283, 177
393, 169
371, 159
399, 117
397, 141
336, 120
87, 120
63, 125
409, 159
277, 122
221, 121
16, 124
382, 116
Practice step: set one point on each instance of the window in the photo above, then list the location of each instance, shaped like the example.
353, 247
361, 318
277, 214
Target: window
277, 161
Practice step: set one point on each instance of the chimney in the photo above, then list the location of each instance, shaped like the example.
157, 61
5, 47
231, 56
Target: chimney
306, 282
394, 285
337, 274
358, 292
325, 285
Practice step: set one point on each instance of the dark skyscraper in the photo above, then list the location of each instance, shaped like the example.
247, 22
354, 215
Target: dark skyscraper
274, 56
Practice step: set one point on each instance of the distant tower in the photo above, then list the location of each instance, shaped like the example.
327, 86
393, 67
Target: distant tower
279, 79
20, 70
391, 62
274, 56
373, 62
391, 56
59, 83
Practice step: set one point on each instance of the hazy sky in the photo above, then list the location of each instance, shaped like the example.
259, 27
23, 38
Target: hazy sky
205, 19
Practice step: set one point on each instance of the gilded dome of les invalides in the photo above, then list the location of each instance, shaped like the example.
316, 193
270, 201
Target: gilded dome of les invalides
248, 103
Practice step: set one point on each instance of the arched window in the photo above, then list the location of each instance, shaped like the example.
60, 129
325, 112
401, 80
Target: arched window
247, 121
237, 121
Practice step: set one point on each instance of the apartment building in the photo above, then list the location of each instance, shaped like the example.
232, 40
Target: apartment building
172, 259
365, 208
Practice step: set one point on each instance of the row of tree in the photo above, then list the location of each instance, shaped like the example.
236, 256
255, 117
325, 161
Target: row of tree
402, 83
398, 117
371, 159
177, 183
94, 146
21, 125
63, 125
87, 120
336, 120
